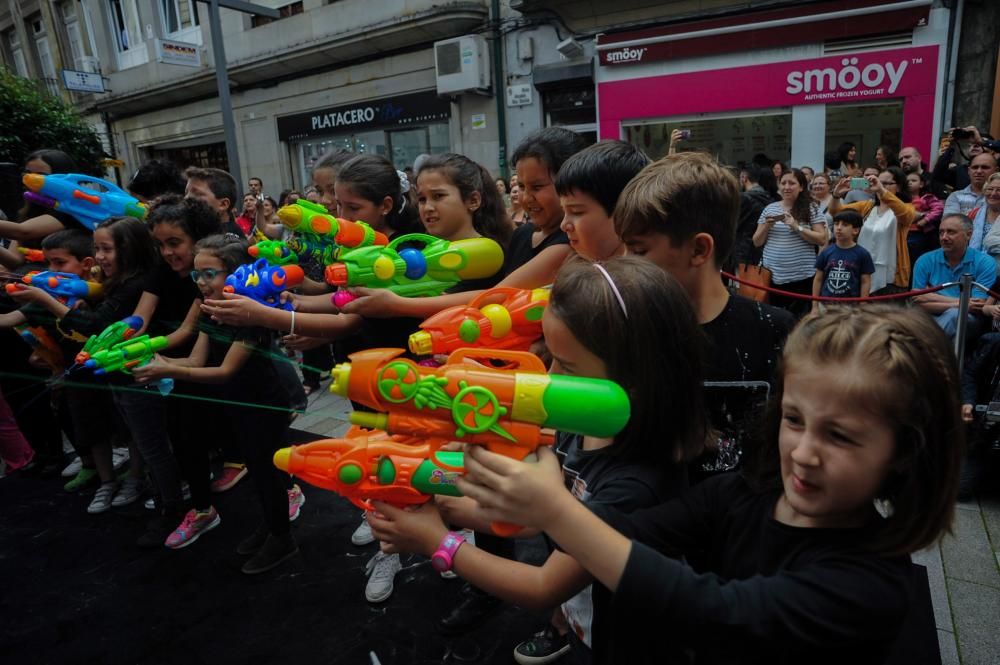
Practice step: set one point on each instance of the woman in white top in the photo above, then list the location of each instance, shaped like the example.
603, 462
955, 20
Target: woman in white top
790, 230
820, 190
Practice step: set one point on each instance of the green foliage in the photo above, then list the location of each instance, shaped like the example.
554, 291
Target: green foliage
31, 120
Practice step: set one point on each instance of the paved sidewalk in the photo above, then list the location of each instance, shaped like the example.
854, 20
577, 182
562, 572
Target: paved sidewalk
964, 575
963, 571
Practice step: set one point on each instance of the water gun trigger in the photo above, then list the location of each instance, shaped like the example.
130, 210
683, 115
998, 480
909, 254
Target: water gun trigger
520, 360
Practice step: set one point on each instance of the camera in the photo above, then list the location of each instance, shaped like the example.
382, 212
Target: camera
959, 133
685, 134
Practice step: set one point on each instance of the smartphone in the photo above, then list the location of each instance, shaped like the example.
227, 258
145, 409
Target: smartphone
859, 183
685, 134
775, 218
960, 133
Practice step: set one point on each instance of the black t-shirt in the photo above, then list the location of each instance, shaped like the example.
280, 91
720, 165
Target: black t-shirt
257, 380
600, 478
744, 345
520, 251
760, 592
175, 295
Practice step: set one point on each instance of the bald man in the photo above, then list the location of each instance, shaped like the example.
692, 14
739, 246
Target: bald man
962, 201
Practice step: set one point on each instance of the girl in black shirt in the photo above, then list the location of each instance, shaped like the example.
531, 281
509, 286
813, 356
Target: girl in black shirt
809, 562
237, 362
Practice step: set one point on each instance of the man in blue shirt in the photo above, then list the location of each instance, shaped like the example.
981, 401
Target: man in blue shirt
948, 264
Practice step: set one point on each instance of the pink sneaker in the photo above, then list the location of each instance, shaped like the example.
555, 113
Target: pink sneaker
232, 473
296, 499
192, 526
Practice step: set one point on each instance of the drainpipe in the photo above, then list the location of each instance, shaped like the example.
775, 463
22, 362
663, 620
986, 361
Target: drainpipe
498, 87
955, 38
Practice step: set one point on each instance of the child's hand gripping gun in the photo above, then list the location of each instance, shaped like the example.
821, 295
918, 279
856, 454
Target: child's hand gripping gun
513, 320
502, 409
264, 283
412, 272
322, 230
275, 252
371, 466
128, 354
42, 345
65, 287
113, 335
90, 200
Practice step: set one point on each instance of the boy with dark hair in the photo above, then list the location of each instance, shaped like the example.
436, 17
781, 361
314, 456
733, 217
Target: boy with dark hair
844, 269
156, 178
216, 188
86, 414
588, 185
680, 213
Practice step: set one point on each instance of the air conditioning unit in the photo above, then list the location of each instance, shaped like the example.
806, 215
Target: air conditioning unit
462, 64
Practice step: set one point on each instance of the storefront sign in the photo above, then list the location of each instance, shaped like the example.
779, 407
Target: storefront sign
419, 108
178, 53
82, 81
519, 95
910, 74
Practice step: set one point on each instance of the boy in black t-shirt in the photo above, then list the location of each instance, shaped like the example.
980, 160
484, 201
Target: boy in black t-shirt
844, 269
680, 213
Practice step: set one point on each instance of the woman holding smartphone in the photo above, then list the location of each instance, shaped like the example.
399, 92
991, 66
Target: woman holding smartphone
790, 230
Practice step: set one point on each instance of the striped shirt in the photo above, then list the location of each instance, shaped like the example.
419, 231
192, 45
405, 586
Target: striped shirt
787, 254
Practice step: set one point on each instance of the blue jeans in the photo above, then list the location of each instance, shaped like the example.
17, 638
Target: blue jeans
144, 412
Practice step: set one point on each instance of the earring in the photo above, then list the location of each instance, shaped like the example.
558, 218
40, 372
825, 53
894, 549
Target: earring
884, 507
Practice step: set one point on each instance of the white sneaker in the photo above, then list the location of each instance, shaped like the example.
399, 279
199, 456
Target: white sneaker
119, 457
363, 534
128, 493
73, 468
381, 571
102, 499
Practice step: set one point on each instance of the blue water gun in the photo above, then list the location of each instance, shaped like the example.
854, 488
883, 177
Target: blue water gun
264, 283
90, 200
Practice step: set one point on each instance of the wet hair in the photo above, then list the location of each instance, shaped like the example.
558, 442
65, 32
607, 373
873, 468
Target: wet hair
902, 190
228, 248
490, 219
551, 146
79, 243
157, 177
193, 216
57, 160
135, 250
334, 160
905, 374
851, 217
803, 205
221, 183
601, 171
667, 423
373, 178
680, 196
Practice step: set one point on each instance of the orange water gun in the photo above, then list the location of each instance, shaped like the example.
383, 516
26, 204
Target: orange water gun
511, 320
371, 466
504, 409
32, 255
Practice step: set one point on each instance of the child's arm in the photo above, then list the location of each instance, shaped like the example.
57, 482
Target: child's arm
420, 531
237, 310
461, 511
32, 294
817, 287
235, 358
187, 328
35, 228
144, 310
540, 270
11, 258
866, 285
11, 319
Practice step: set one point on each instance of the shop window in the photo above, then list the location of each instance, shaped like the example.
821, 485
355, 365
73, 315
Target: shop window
867, 126
286, 11
178, 15
731, 139
210, 155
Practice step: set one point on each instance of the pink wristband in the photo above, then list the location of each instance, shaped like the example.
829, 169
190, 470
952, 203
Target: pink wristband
444, 557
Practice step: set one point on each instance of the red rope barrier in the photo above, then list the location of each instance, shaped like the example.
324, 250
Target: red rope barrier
802, 296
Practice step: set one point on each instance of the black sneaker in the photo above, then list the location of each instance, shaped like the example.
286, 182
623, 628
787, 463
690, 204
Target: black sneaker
471, 612
159, 528
254, 541
545, 646
276, 550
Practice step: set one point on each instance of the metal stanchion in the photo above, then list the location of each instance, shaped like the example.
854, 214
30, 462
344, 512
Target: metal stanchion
965, 284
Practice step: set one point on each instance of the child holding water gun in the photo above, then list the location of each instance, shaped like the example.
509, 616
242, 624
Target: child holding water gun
807, 560
237, 362
590, 305
536, 249
124, 251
